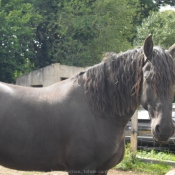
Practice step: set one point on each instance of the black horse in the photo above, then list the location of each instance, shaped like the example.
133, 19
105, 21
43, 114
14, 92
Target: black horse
78, 124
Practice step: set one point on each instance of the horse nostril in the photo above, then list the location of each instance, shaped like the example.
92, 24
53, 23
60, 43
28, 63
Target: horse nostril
157, 129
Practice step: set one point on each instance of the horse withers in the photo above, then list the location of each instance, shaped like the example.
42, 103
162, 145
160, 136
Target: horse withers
77, 125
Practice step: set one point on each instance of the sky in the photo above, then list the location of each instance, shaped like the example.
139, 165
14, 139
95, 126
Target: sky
168, 7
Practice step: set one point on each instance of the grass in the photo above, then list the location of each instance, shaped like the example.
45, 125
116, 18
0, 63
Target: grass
157, 155
130, 162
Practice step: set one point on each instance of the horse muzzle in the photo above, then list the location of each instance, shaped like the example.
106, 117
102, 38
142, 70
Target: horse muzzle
162, 133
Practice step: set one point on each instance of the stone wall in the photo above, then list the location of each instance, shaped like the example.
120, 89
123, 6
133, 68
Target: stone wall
48, 75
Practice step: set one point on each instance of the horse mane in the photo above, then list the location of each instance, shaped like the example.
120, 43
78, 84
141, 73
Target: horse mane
114, 85
163, 72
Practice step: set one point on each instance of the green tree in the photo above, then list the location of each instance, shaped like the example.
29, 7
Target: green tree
17, 33
161, 25
77, 32
164, 2
143, 10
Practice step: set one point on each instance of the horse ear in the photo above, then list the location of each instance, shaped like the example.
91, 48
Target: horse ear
171, 51
148, 47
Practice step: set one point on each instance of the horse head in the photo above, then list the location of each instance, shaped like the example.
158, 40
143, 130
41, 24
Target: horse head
158, 88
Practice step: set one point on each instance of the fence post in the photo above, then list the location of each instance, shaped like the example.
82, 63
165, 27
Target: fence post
134, 129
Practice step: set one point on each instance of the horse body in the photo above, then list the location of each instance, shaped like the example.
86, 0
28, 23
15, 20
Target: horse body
41, 130
78, 125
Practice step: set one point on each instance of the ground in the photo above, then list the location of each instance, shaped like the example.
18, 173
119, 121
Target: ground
6, 171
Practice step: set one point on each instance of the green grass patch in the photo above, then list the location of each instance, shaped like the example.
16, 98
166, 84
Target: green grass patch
157, 155
130, 162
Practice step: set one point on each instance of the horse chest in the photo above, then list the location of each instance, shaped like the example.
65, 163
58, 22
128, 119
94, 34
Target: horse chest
96, 144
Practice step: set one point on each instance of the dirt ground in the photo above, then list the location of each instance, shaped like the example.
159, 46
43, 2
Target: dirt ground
6, 171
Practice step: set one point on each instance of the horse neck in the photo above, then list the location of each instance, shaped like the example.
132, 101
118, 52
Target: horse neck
113, 89
124, 81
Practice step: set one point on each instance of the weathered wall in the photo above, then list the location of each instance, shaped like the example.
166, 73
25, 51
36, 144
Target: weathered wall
48, 75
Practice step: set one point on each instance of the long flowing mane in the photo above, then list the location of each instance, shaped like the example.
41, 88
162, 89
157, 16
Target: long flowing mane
114, 85
162, 72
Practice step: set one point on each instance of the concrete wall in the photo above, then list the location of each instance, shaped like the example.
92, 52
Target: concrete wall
48, 75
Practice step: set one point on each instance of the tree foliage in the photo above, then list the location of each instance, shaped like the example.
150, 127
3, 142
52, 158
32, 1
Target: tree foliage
77, 32
143, 10
164, 2
161, 25
36, 33
18, 26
